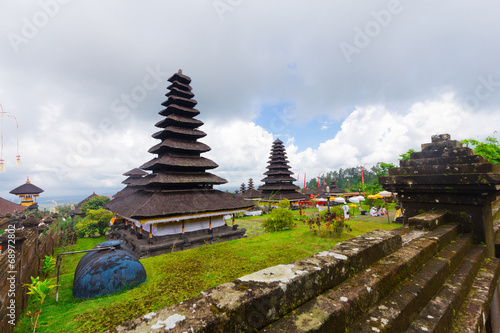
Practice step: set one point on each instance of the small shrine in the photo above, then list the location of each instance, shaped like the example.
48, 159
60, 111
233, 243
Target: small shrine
175, 206
27, 193
278, 183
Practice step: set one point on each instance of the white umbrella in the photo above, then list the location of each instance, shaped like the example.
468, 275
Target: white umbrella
385, 194
354, 200
341, 200
361, 198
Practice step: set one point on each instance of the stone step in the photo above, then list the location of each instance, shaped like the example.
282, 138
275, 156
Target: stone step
396, 312
429, 220
340, 307
472, 316
438, 315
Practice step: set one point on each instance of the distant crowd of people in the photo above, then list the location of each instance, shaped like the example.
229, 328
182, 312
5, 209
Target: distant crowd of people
378, 211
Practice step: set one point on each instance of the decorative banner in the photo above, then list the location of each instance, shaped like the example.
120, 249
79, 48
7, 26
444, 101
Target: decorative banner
18, 157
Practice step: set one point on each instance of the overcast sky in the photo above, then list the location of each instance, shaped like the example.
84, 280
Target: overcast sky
342, 83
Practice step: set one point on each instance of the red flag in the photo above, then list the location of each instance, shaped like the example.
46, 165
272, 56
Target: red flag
363, 178
318, 179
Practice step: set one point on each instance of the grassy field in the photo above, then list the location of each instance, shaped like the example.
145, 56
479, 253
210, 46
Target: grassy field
175, 277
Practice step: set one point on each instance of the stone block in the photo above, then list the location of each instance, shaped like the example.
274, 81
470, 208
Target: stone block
428, 221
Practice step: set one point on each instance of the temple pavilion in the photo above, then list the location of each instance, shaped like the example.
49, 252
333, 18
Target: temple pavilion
175, 207
278, 183
27, 193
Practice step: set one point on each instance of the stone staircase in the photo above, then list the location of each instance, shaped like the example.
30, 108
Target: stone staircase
439, 282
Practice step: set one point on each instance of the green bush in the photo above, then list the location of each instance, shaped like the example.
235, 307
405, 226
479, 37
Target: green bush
279, 219
285, 203
94, 203
95, 221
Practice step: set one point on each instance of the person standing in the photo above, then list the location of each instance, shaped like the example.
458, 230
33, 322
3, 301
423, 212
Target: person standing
346, 211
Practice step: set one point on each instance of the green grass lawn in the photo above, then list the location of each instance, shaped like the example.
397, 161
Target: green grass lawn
175, 277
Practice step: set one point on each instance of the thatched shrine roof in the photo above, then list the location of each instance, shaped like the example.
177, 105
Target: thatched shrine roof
178, 183
9, 207
251, 193
27, 188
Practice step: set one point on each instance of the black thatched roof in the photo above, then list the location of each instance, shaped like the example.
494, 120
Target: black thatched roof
251, 194
27, 188
279, 184
10, 207
149, 204
179, 182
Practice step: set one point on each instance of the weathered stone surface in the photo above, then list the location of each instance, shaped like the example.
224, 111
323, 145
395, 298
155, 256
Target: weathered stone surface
429, 221
254, 301
398, 310
438, 315
337, 309
472, 317
447, 177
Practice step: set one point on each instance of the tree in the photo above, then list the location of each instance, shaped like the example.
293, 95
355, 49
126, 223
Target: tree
406, 156
96, 221
489, 149
94, 203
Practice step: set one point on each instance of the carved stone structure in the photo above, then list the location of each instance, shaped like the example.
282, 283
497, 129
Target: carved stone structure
447, 177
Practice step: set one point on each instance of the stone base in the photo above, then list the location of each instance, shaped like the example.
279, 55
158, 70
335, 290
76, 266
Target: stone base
144, 247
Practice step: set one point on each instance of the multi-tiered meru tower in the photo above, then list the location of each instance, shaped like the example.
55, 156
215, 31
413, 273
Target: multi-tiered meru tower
278, 183
175, 206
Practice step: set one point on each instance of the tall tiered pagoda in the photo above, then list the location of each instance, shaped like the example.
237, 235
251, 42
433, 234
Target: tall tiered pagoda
278, 183
175, 206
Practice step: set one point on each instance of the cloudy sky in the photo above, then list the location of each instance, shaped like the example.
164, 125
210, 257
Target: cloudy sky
342, 83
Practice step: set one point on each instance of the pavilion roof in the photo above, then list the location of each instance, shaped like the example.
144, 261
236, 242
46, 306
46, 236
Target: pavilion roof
9, 207
27, 188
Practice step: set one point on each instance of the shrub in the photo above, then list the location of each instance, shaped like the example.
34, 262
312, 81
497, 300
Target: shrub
279, 219
285, 203
95, 221
94, 203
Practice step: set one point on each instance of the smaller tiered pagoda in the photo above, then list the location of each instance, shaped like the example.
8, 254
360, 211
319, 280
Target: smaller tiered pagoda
27, 193
278, 183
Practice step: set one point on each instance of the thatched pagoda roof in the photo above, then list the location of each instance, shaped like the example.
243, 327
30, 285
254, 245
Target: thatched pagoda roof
27, 188
279, 184
136, 172
178, 183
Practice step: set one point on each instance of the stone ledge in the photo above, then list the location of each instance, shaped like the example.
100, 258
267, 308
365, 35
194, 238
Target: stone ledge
438, 315
395, 313
428, 221
254, 301
472, 317
337, 309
